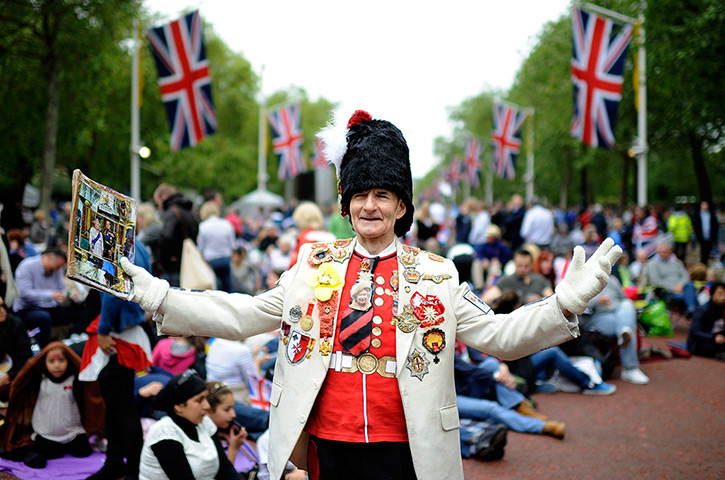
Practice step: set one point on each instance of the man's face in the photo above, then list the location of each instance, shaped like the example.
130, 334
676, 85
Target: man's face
373, 213
664, 251
52, 263
523, 265
718, 296
3, 311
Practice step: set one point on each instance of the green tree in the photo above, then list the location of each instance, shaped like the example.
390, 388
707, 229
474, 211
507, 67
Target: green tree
685, 62
50, 51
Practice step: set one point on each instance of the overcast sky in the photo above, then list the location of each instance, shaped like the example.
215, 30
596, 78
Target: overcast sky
402, 61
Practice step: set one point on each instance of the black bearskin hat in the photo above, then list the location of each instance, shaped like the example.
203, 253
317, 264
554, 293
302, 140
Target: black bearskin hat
375, 156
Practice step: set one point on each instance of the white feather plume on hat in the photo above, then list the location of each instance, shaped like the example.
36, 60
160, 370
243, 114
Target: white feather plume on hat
334, 137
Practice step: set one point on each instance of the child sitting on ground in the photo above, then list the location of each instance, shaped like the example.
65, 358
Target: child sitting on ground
50, 412
221, 411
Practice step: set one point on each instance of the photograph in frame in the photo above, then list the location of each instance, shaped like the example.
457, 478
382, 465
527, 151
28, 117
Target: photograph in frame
102, 230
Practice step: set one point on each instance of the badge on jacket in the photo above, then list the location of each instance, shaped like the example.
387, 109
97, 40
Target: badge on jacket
417, 364
298, 347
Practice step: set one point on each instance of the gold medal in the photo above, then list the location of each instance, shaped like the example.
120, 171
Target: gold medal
306, 322
325, 347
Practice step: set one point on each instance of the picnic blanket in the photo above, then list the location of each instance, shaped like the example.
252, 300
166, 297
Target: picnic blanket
64, 468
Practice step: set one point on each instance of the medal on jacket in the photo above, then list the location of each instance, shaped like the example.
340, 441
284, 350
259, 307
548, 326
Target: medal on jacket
428, 309
306, 320
406, 320
434, 340
417, 364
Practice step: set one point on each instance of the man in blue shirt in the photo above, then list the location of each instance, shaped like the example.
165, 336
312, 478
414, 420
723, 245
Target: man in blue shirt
42, 301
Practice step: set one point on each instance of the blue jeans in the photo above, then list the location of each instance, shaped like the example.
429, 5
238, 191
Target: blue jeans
546, 361
688, 295
480, 409
223, 271
612, 323
254, 420
505, 396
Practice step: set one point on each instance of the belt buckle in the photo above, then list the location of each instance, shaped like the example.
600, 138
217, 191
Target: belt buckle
367, 363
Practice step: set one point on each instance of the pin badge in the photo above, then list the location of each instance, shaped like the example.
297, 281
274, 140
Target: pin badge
295, 313
406, 320
417, 364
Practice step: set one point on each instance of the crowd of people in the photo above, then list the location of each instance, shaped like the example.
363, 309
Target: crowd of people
509, 254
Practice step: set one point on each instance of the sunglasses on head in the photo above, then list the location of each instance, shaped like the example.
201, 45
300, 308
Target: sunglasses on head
187, 375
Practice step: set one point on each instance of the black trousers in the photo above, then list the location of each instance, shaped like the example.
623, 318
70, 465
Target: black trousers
333, 460
123, 422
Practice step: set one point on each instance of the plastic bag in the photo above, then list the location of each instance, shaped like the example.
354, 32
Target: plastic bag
655, 319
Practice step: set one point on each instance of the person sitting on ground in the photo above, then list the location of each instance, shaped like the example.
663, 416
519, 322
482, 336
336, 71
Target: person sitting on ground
562, 242
668, 276
591, 240
636, 268
185, 443
116, 348
43, 301
14, 349
493, 254
614, 315
487, 391
51, 413
221, 412
529, 286
544, 266
545, 362
246, 277
622, 272
234, 363
706, 336
178, 354
20, 248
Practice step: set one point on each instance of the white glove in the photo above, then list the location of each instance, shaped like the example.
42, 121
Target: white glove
149, 291
583, 281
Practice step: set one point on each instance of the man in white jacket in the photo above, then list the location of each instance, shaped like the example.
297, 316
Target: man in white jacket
370, 394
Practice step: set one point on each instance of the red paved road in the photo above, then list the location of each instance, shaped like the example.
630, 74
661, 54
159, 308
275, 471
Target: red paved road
672, 428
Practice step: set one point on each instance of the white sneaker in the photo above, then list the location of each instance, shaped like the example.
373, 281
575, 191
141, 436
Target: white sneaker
635, 375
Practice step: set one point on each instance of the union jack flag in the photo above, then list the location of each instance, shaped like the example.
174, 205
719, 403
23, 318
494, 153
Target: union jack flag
506, 139
260, 390
472, 157
287, 140
318, 158
453, 174
600, 49
184, 80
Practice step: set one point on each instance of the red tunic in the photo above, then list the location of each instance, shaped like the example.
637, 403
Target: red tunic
358, 407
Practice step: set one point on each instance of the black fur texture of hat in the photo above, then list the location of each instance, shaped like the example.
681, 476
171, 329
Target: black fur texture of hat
377, 156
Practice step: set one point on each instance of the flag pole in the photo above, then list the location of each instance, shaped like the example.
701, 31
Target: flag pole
530, 157
135, 136
640, 148
262, 139
489, 181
